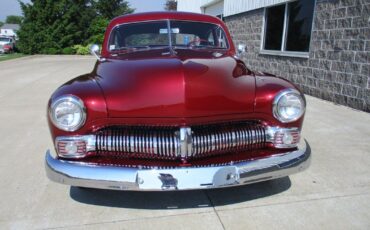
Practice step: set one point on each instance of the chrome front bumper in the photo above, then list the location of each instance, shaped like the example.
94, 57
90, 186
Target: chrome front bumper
121, 178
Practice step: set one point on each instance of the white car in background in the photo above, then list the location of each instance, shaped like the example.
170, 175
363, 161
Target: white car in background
7, 44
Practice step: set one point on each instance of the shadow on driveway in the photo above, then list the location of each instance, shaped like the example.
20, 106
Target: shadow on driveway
179, 199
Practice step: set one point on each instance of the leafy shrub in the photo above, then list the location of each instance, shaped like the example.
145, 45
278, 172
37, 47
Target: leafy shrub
68, 51
51, 51
82, 50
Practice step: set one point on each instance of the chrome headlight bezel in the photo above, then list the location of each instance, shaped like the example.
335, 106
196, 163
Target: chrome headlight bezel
285, 93
71, 99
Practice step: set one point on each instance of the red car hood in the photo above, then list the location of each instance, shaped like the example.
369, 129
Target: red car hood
176, 86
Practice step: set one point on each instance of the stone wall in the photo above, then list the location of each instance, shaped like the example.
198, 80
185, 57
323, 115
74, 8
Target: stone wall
338, 67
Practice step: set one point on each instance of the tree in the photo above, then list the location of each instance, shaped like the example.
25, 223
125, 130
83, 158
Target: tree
97, 29
1, 23
171, 5
51, 26
106, 10
112, 8
13, 19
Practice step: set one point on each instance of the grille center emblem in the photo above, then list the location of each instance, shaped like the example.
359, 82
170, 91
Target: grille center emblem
185, 142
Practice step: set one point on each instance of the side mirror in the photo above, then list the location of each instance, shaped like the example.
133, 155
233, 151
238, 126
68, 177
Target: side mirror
241, 49
95, 51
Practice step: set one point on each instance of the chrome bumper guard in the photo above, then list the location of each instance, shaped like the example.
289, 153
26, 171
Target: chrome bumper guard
122, 178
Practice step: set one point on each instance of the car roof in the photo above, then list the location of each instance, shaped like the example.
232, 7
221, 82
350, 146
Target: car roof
174, 15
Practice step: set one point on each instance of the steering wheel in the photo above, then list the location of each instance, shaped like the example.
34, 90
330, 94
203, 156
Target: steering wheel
197, 40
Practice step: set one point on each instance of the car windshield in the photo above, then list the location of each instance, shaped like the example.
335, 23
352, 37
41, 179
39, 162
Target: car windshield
161, 34
4, 40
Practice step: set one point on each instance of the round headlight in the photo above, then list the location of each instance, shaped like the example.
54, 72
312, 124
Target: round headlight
68, 113
288, 106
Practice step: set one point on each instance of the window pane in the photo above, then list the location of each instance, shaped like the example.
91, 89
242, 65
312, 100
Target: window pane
299, 25
274, 27
139, 34
198, 35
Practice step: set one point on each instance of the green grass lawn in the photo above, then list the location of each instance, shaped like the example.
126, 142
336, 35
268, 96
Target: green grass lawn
4, 57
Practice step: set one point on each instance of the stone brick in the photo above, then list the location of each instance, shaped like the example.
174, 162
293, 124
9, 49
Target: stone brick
331, 24
365, 70
314, 92
336, 87
357, 45
350, 90
366, 9
344, 23
333, 55
336, 34
341, 45
359, 22
347, 56
312, 82
352, 68
320, 35
327, 45
338, 66
349, 2
364, 33
351, 33
315, 45
360, 81
320, 54
325, 64
314, 63
321, 6
364, 94
354, 11
367, 46
340, 99
362, 57
318, 73
326, 95
339, 13
355, 103
318, 25
322, 15
344, 78
331, 76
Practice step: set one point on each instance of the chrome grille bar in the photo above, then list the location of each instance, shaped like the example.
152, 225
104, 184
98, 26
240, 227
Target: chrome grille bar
175, 143
211, 140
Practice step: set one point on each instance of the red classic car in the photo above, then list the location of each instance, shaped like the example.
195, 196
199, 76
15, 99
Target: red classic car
169, 105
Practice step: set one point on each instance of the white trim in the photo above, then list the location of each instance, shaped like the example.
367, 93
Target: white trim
285, 53
233, 7
263, 31
285, 29
210, 3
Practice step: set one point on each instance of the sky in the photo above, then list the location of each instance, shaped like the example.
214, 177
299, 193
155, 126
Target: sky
11, 7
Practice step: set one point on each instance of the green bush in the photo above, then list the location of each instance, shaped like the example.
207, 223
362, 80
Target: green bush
68, 51
50, 51
82, 50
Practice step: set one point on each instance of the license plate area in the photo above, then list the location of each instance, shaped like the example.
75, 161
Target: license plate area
187, 178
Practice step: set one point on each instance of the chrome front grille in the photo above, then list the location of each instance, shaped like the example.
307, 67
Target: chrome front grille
138, 142
179, 142
227, 138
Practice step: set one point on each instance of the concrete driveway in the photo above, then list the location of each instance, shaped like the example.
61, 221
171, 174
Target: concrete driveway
334, 193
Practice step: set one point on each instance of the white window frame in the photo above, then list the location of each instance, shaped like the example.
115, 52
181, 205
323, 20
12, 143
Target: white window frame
282, 51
